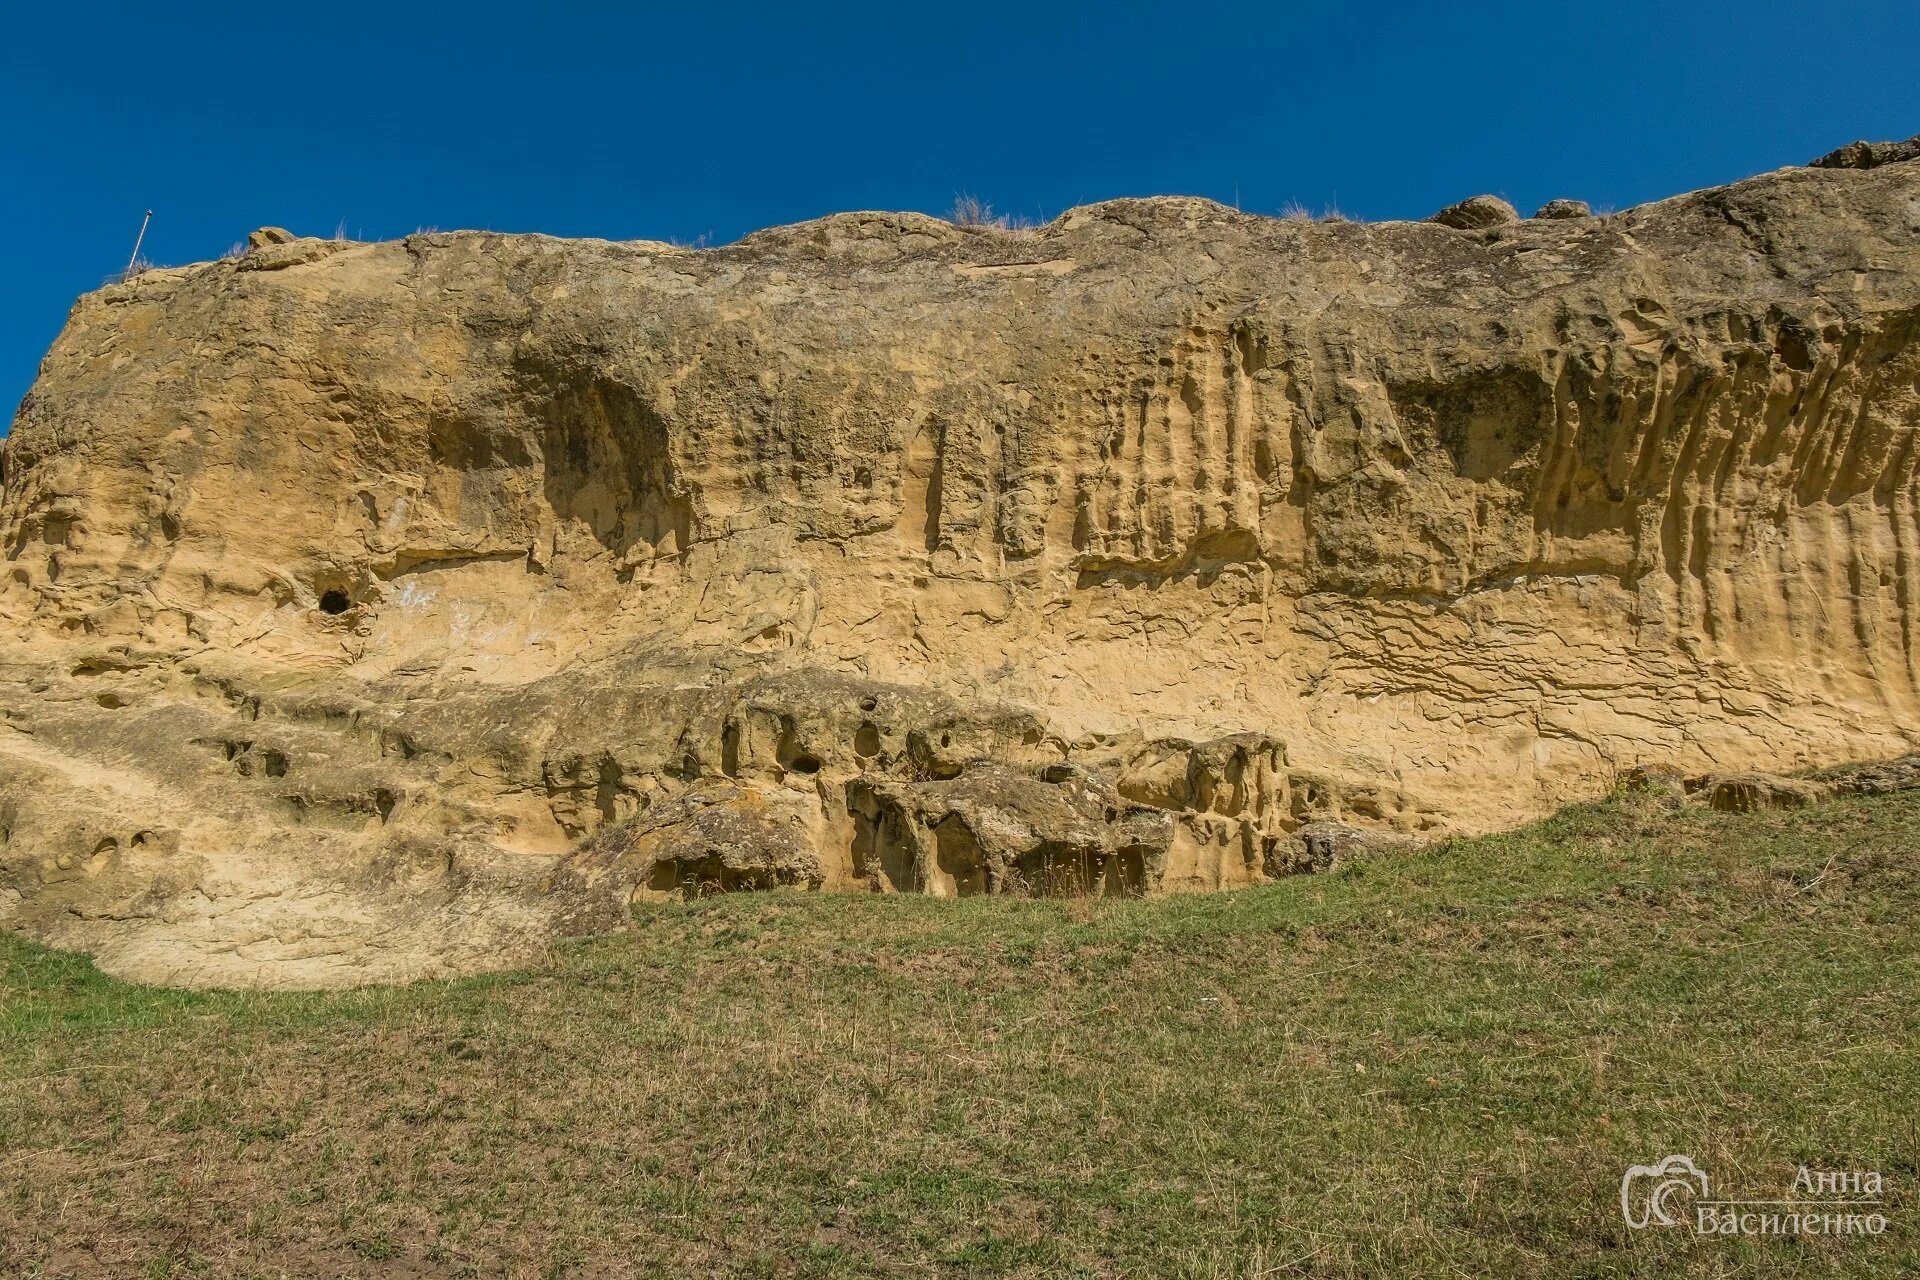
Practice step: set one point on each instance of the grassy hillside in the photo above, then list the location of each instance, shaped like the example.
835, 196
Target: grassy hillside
1436, 1064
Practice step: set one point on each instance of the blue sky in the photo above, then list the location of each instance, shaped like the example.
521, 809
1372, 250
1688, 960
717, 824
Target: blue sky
685, 121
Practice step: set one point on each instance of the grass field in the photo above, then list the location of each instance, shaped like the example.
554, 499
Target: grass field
1435, 1064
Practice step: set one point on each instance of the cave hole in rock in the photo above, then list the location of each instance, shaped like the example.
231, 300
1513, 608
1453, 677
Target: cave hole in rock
334, 601
866, 741
959, 858
803, 763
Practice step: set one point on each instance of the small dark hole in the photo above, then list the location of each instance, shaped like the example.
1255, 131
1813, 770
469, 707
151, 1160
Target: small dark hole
335, 601
804, 764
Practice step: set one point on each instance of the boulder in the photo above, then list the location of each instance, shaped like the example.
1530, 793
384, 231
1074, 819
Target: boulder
1058, 830
1869, 155
716, 838
1874, 779
1753, 792
1554, 209
1476, 213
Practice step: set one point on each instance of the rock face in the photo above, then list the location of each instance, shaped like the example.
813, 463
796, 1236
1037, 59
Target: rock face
379, 610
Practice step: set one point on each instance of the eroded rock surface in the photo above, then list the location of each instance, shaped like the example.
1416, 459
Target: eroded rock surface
380, 610
1870, 155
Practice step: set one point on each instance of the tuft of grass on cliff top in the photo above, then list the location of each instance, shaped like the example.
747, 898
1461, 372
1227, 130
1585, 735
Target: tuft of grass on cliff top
1430, 1064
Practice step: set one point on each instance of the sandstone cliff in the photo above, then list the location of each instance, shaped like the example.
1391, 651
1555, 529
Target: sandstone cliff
377, 610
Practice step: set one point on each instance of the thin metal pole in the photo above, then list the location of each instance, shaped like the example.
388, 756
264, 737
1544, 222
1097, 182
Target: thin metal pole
135, 256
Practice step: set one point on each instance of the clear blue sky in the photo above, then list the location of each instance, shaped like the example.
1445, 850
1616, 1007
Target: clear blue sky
681, 121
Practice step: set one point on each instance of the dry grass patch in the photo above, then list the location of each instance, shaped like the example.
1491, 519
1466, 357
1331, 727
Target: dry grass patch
1435, 1064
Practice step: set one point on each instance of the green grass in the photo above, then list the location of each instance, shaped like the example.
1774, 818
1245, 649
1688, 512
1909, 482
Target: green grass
1431, 1064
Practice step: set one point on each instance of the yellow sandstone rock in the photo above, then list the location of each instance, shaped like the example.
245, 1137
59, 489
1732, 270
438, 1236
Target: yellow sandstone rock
380, 610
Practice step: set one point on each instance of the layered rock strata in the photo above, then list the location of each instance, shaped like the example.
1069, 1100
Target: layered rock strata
380, 609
